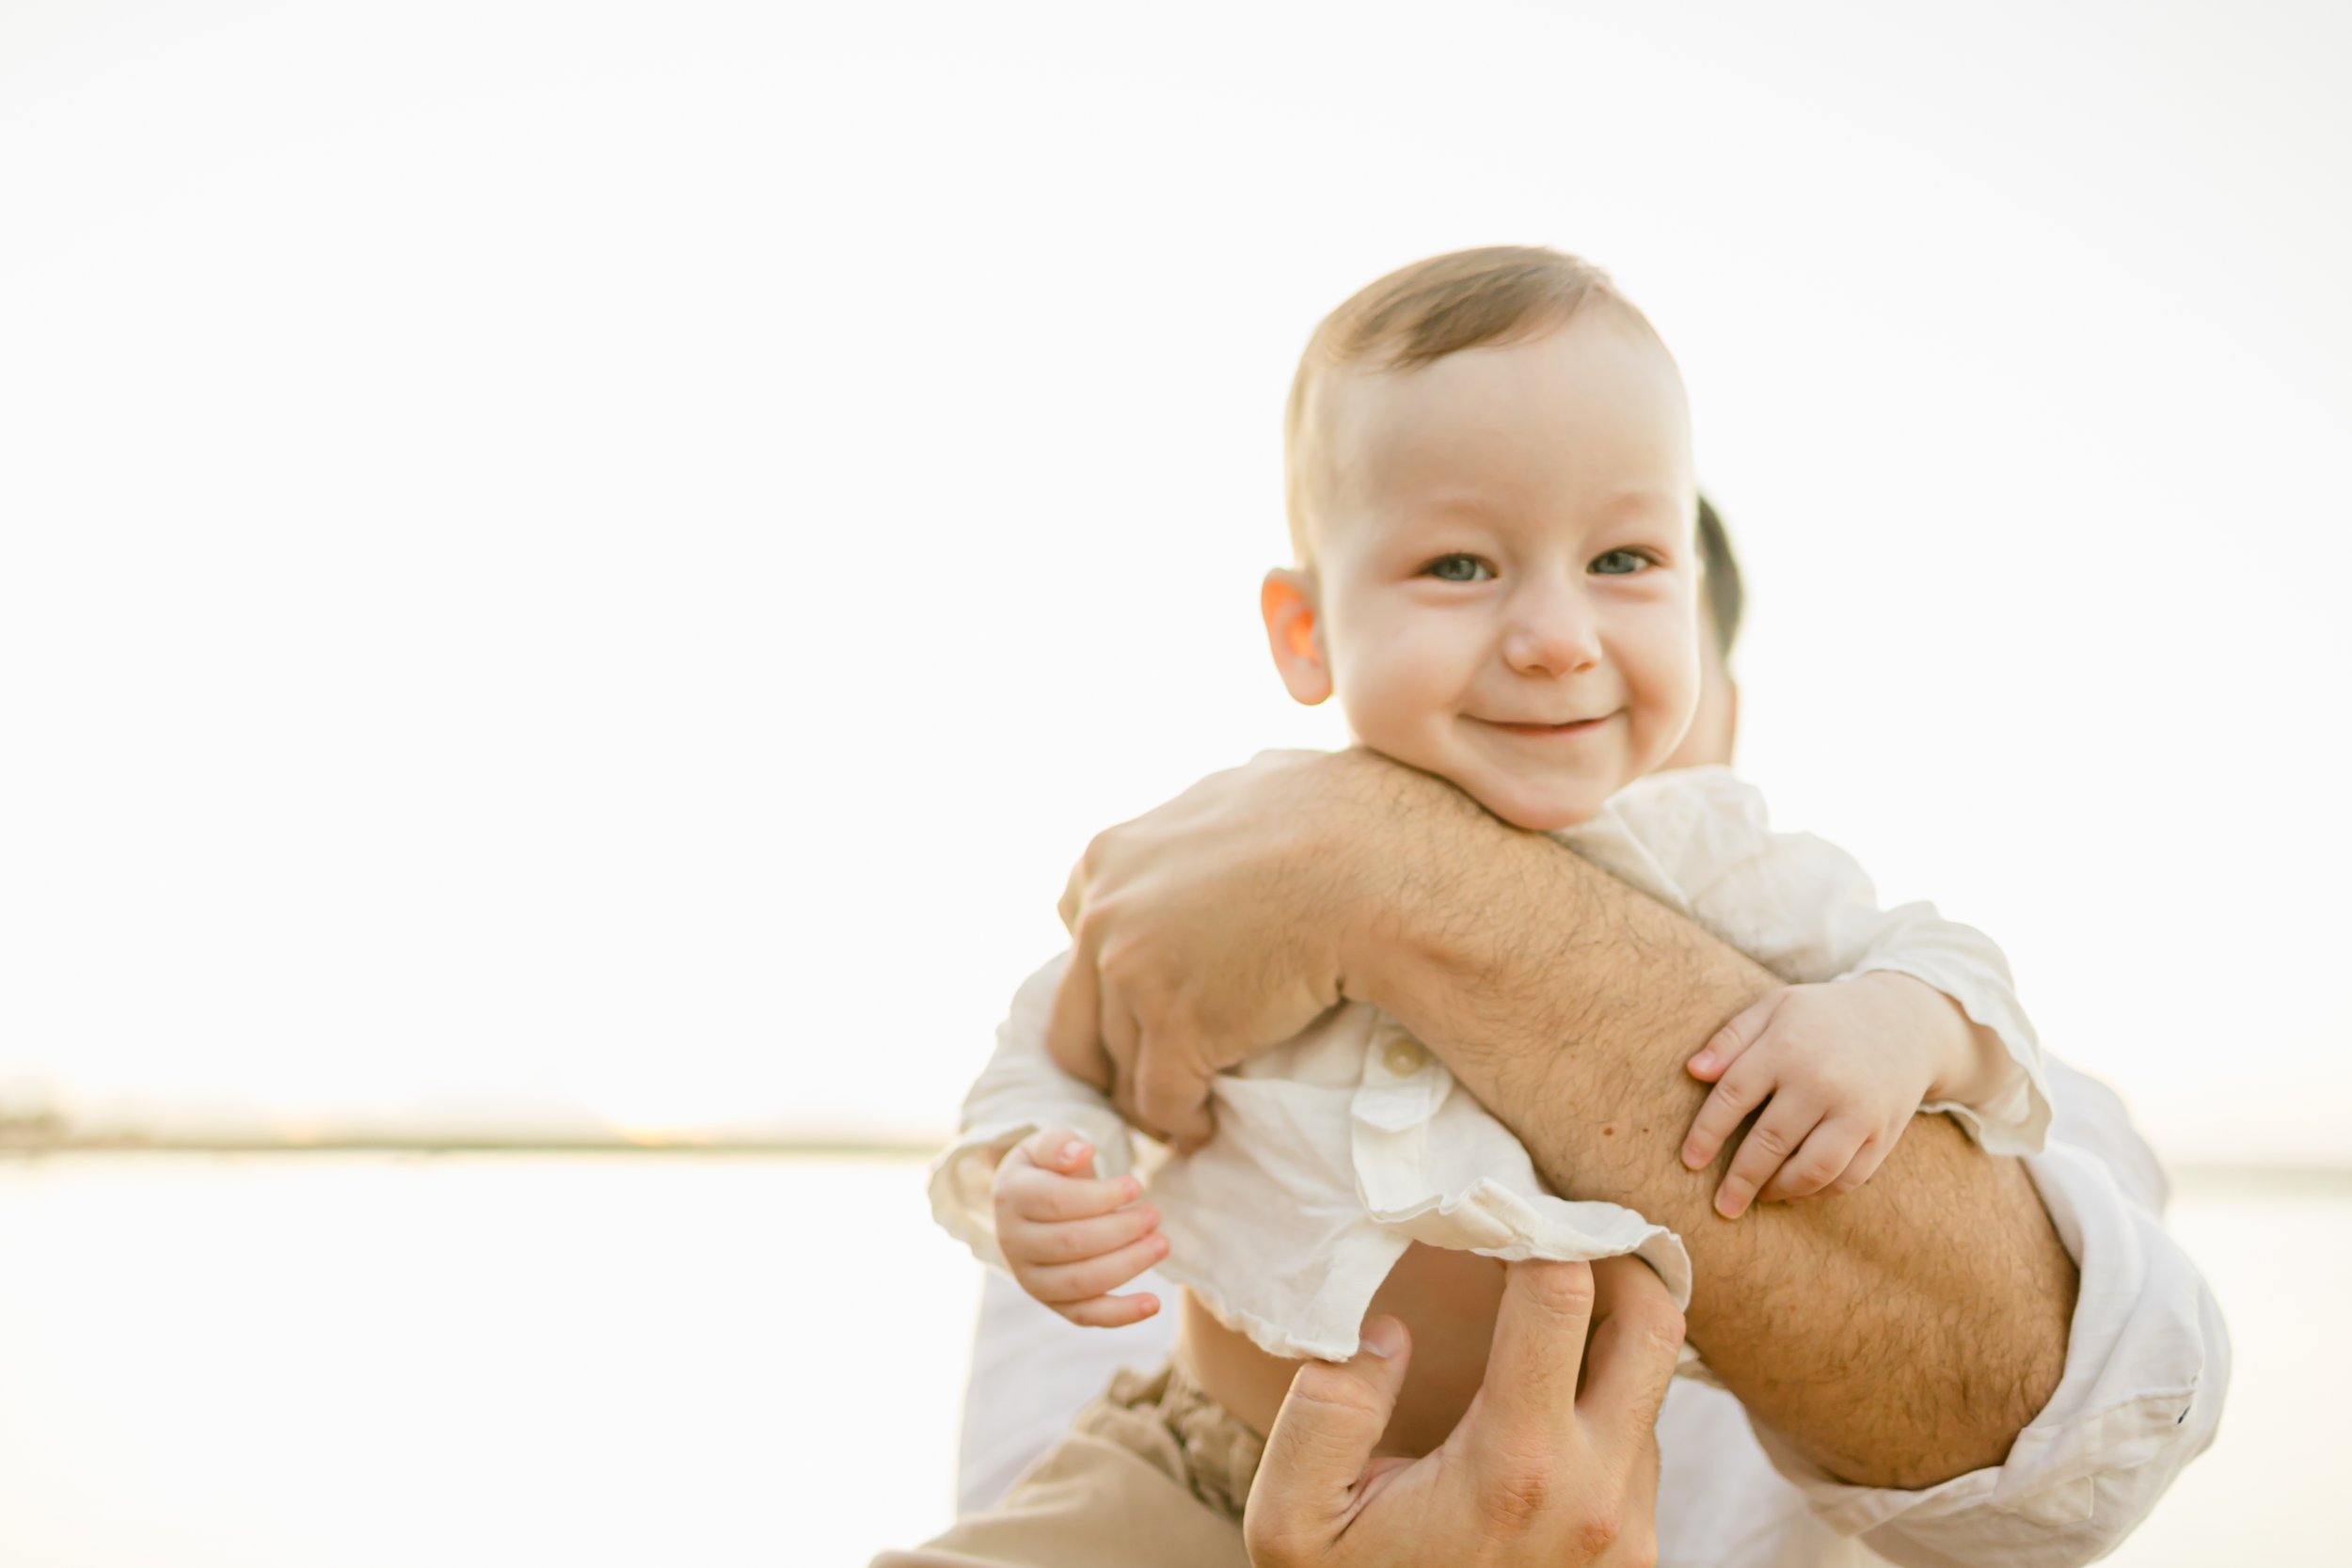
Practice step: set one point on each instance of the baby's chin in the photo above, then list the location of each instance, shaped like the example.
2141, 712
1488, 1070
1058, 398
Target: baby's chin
1535, 808
1536, 814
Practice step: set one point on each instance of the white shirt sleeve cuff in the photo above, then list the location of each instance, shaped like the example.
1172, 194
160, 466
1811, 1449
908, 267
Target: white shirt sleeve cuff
963, 1180
2147, 1366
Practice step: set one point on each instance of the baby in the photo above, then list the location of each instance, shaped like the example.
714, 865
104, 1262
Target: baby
1492, 511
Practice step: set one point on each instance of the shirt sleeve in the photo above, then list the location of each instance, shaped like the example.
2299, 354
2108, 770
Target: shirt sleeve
1021, 1091
2147, 1368
1805, 909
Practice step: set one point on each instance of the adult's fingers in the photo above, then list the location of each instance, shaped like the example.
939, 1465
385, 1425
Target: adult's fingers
1321, 1440
1528, 1401
1171, 1089
1637, 1338
1637, 1510
1121, 1040
1074, 896
1072, 1035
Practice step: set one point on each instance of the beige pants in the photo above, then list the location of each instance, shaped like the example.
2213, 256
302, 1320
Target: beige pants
1154, 1472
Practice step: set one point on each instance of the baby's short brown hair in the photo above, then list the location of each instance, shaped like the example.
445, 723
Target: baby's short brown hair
1420, 313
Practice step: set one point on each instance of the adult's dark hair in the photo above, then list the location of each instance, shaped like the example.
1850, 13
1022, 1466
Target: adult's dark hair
1722, 577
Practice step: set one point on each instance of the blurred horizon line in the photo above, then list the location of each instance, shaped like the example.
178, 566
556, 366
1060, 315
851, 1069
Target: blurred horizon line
20, 1143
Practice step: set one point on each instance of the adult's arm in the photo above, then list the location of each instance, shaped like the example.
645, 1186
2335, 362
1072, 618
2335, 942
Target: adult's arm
1894, 1337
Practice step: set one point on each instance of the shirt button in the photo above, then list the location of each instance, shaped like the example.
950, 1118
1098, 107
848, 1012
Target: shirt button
1404, 1057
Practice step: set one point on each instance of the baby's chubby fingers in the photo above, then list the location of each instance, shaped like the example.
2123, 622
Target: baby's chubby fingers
1056, 1284
1058, 1149
1745, 1087
1028, 1190
1048, 1242
1783, 1128
1870, 1146
1821, 1160
1109, 1311
1729, 1043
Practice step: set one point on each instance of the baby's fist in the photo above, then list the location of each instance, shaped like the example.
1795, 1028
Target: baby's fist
1068, 1238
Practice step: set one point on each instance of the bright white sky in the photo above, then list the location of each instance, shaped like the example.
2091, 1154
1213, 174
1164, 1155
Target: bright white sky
593, 563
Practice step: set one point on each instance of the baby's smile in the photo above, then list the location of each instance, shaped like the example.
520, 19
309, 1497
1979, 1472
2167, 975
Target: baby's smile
1539, 729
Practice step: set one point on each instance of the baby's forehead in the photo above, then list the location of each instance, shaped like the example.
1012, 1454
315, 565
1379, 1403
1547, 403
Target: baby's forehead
1598, 415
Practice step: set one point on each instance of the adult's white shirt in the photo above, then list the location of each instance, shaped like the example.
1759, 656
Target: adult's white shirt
2147, 1368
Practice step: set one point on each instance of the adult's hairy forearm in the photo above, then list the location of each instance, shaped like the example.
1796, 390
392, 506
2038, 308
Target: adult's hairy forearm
1899, 1335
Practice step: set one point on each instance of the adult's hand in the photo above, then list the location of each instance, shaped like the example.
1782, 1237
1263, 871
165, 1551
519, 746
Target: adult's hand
1217, 925
1538, 1472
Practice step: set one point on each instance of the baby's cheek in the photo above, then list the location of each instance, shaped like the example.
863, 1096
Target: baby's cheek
1664, 697
1397, 697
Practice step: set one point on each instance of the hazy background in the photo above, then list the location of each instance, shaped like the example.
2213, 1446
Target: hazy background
578, 572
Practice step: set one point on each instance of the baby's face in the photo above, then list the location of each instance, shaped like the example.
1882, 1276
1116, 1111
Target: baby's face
1505, 588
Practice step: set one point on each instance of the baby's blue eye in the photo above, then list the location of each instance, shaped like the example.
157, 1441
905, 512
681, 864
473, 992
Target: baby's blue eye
1458, 568
1618, 563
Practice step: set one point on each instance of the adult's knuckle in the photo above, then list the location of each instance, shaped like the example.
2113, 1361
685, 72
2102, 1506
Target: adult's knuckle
1596, 1526
1096, 918
1664, 1322
1566, 1289
1335, 1389
1183, 1007
1126, 964
1097, 848
1518, 1496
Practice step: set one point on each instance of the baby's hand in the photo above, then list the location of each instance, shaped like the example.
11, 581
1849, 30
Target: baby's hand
1844, 1065
1068, 1238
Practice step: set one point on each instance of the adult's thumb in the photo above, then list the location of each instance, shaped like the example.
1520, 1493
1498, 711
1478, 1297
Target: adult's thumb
1322, 1441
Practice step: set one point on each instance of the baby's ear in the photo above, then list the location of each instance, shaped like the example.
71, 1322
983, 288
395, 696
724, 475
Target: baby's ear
1293, 632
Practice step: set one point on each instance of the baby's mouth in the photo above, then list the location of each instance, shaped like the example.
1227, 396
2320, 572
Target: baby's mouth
1573, 727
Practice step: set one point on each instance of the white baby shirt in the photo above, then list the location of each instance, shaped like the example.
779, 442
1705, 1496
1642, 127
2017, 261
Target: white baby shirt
1338, 1148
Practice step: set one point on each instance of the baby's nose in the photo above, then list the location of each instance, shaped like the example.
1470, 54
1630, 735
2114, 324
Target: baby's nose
1551, 631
